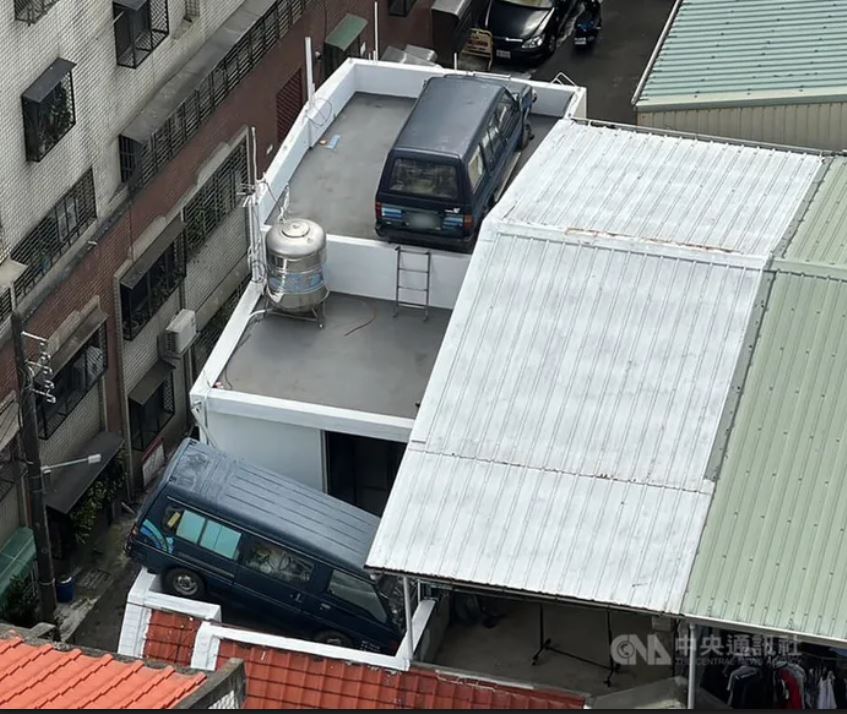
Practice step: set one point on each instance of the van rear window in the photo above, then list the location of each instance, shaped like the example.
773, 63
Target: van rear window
429, 179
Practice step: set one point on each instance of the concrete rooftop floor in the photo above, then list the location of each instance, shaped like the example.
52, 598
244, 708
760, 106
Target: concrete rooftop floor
506, 649
363, 359
336, 187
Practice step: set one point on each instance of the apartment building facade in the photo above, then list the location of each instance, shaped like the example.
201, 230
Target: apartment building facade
132, 130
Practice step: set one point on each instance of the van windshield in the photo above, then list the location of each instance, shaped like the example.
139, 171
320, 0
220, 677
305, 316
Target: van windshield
427, 179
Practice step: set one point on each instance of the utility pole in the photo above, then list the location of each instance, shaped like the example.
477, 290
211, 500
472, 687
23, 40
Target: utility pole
35, 477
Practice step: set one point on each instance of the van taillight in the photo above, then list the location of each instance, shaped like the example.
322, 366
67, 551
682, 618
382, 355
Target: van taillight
378, 210
467, 223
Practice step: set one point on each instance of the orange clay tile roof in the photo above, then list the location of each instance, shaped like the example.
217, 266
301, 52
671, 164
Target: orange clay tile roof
43, 677
279, 679
170, 637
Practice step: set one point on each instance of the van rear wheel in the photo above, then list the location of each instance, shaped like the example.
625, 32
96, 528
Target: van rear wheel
184, 583
333, 637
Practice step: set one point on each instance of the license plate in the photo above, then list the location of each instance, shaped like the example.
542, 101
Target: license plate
423, 221
503, 54
580, 41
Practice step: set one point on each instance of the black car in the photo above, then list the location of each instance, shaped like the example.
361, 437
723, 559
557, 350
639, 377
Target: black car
526, 29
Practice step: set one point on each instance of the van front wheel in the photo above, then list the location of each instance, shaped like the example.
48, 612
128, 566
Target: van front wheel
332, 637
184, 583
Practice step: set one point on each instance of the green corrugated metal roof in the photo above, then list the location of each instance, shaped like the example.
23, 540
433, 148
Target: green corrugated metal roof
821, 236
774, 550
16, 556
732, 47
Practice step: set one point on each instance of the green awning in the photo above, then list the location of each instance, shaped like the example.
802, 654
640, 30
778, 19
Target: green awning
16, 557
346, 32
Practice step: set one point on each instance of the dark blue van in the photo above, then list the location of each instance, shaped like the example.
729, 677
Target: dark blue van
452, 159
267, 544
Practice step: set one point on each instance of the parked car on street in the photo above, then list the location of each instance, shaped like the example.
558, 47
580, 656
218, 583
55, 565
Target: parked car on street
451, 160
267, 545
526, 29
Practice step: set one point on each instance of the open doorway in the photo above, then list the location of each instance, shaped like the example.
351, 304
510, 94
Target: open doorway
361, 470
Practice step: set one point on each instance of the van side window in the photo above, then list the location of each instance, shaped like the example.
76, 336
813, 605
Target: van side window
202, 531
476, 168
357, 592
270, 559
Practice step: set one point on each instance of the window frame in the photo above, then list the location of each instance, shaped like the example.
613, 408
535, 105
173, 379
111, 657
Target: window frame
138, 32
48, 120
161, 397
141, 302
310, 564
215, 200
172, 507
77, 379
42, 247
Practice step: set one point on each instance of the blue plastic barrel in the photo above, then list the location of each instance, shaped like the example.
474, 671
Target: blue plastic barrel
65, 589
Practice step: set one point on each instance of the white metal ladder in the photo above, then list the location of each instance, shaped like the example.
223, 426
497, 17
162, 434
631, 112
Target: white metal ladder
404, 268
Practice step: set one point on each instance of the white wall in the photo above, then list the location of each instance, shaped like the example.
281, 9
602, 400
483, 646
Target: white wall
816, 125
293, 451
358, 266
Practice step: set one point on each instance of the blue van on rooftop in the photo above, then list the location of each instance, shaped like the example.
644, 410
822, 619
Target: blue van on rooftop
452, 160
269, 545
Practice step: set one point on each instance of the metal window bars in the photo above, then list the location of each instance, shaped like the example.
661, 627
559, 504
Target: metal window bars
140, 162
139, 29
50, 116
215, 200
52, 237
31, 11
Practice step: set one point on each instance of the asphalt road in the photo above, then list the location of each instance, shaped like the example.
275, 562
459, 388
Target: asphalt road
612, 69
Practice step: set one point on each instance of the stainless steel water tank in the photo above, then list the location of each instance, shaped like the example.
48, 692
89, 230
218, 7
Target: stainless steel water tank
296, 252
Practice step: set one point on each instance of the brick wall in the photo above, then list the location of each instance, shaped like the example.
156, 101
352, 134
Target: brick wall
253, 102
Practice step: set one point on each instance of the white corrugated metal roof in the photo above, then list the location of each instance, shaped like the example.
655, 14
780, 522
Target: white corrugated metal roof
564, 439
642, 185
563, 442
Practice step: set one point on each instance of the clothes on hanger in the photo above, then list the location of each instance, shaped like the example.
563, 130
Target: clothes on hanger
826, 693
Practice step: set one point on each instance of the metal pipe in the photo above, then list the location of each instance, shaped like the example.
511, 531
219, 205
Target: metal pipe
410, 636
692, 663
310, 79
376, 29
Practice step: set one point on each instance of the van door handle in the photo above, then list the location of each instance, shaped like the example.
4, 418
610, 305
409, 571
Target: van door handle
324, 606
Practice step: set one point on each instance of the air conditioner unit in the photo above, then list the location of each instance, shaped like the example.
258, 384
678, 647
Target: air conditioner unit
179, 334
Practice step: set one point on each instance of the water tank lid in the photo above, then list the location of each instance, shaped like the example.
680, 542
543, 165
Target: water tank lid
296, 238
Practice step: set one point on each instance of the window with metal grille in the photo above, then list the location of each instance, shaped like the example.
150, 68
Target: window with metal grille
48, 109
147, 419
141, 162
72, 382
202, 347
31, 11
400, 7
215, 200
56, 232
140, 27
143, 299
192, 9
289, 102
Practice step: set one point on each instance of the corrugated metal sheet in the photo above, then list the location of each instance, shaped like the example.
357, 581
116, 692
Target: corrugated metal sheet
822, 125
751, 47
774, 551
563, 441
821, 236
637, 185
